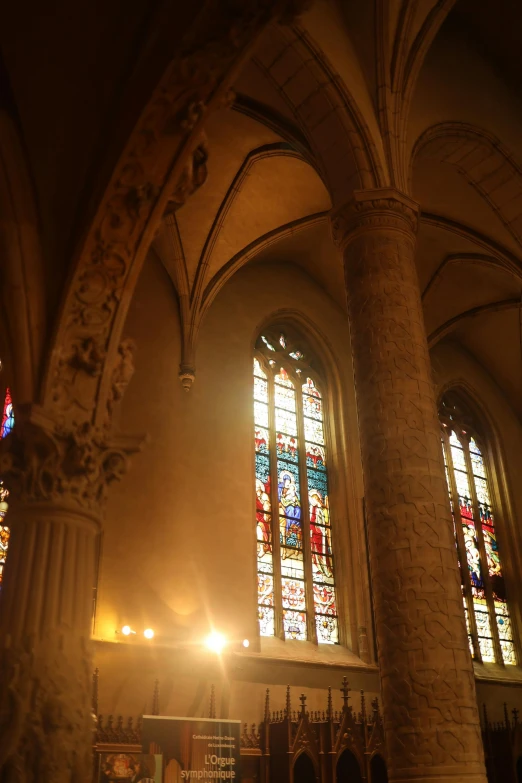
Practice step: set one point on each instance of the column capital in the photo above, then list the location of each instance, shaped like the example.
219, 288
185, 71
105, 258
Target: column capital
373, 209
71, 466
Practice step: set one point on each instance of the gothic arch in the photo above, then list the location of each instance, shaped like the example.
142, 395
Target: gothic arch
330, 118
485, 163
162, 163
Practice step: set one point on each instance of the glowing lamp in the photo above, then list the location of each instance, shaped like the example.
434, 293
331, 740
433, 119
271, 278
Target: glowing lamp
215, 642
246, 643
126, 630
148, 633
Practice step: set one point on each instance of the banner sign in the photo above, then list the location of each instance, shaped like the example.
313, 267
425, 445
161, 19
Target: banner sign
194, 749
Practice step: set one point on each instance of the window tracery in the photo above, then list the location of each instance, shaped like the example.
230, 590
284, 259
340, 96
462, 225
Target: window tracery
488, 619
295, 561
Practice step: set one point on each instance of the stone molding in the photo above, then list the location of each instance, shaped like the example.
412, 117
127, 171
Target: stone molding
42, 461
371, 209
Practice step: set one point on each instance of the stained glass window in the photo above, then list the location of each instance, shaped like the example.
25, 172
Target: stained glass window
295, 560
5, 428
483, 589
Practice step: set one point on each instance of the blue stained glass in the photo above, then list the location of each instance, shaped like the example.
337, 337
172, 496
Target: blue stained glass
317, 480
262, 468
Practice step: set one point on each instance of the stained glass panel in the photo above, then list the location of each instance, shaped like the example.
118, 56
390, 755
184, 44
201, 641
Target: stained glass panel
260, 389
293, 593
315, 456
265, 589
294, 625
7, 416
286, 422
285, 398
261, 439
4, 531
292, 564
266, 620
474, 503
275, 401
261, 413
6, 426
258, 370
267, 343
314, 431
327, 629
286, 446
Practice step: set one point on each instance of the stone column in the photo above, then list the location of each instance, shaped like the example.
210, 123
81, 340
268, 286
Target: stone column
428, 691
57, 479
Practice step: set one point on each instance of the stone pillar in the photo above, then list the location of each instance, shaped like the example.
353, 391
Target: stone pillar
428, 690
57, 480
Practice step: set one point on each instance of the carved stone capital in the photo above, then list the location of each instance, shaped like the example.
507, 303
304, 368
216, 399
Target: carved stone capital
385, 208
72, 467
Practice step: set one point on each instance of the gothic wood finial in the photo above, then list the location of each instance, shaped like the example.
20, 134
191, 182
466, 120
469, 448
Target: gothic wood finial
212, 705
363, 706
288, 705
155, 699
515, 714
95, 678
345, 690
267, 705
302, 699
329, 707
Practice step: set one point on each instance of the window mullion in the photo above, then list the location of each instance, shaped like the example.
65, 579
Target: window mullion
461, 549
274, 502
305, 516
482, 551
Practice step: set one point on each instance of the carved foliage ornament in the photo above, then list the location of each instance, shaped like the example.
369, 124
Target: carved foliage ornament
71, 467
377, 209
148, 181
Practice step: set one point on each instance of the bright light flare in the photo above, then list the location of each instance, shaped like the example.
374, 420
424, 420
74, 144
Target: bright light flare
148, 633
215, 642
126, 630
246, 643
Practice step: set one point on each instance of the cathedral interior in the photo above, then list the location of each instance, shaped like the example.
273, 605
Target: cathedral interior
261, 357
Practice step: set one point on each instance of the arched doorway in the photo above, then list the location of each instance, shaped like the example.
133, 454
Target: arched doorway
348, 769
379, 773
304, 771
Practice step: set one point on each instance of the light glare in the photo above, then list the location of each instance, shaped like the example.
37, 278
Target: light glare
215, 642
148, 633
246, 643
126, 630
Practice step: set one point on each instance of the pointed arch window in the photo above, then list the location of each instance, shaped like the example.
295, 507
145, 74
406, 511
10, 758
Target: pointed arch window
488, 619
295, 562
6, 426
